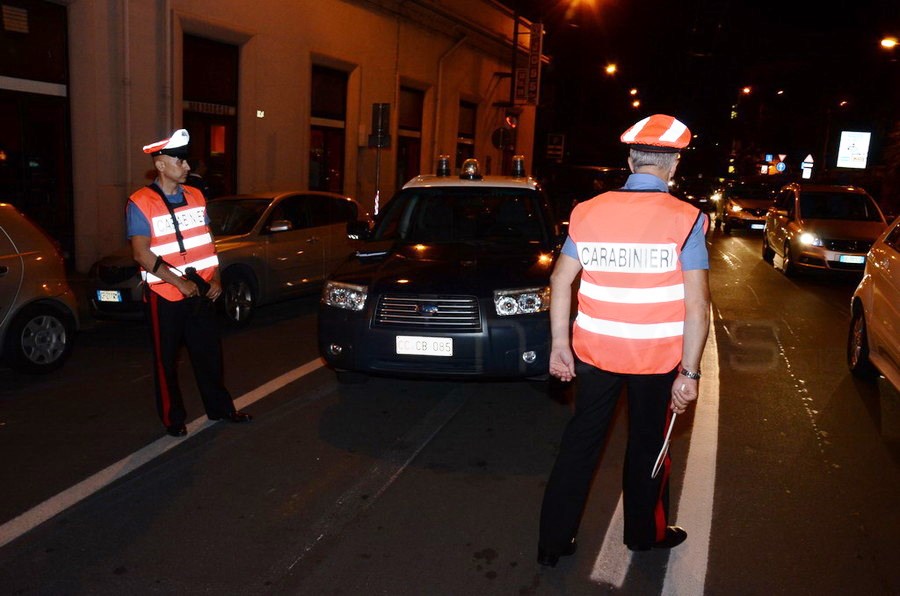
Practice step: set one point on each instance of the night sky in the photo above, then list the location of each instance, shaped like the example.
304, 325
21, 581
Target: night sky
691, 58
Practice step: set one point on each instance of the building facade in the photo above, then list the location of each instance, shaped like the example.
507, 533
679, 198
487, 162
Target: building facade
276, 94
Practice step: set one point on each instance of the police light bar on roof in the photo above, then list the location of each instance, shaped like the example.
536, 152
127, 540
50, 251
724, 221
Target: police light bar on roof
518, 166
443, 166
471, 170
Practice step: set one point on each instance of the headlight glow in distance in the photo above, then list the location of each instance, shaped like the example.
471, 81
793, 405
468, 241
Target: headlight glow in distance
521, 301
346, 296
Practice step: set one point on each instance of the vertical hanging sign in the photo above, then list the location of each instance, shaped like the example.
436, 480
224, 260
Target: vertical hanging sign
534, 62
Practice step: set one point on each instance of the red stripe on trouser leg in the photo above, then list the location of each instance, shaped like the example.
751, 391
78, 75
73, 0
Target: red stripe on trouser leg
661, 520
164, 396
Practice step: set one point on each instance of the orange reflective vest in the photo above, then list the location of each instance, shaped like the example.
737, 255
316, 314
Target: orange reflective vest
631, 296
200, 250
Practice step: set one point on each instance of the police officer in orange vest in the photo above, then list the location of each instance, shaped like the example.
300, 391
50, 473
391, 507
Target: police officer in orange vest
642, 323
171, 241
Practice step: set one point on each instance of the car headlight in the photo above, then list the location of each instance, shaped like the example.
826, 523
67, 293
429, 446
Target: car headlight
521, 301
810, 239
341, 295
736, 208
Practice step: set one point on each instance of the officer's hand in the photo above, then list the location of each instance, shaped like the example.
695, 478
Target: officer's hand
562, 364
215, 289
188, 288
684, 391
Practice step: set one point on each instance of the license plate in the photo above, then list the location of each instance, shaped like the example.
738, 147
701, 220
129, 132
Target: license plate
109, 295
757, 226
424, 346
855, 259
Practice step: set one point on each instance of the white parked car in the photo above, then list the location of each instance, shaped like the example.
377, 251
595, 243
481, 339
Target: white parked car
874, 341
38, 310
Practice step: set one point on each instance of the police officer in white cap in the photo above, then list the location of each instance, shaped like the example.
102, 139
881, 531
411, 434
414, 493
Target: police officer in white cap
171, 241
642, 322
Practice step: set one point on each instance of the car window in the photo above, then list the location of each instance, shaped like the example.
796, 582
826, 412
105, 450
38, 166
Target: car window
234, 217
341, 210
838, 205
459, 215
293, 208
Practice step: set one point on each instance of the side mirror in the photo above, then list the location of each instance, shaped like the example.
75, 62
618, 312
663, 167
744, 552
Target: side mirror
280, 225
357, 230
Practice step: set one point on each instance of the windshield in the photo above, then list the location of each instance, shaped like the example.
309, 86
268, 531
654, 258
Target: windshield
838, 205
429, 215
234, 217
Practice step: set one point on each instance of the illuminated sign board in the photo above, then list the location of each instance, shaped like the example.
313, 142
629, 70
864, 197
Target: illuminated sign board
854, 149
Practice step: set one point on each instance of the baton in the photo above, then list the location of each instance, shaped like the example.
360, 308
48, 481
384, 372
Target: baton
665, 448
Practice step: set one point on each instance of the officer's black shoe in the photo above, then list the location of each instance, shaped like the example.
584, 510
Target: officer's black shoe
176, 430
548, 560
674, 537
236, 417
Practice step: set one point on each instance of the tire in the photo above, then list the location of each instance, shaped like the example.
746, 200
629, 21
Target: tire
767, 253
788, 267
858, 348
39, 340
726, 228
238, 298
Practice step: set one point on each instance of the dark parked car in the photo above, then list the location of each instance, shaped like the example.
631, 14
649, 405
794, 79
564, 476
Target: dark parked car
453, 281
271, 246
38, 310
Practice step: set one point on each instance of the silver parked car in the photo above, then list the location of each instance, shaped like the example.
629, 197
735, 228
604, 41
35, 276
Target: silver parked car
271, 246
821, 227
38, 310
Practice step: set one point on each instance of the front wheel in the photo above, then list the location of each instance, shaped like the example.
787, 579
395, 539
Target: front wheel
767, 253
788, 267
238, 298
858, 347
39, 339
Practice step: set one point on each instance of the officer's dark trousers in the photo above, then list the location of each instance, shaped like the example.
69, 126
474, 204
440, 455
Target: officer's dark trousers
646, 500
192, 323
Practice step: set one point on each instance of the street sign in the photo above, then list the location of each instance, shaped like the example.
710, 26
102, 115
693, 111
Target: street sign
555, 144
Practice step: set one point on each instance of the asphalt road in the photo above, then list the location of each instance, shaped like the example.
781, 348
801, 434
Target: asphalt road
414, 487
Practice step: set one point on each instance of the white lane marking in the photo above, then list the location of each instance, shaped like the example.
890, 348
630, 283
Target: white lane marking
383, 474
613, 560
40, 513
686, 571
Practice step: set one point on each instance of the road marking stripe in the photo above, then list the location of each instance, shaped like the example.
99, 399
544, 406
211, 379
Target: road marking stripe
686, 569
40, 513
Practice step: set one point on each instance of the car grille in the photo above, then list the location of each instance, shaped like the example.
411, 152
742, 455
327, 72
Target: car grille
114, 274
757, 212
857, 246
428, 312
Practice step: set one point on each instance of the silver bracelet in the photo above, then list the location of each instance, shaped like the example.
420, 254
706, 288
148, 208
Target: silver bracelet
690, 374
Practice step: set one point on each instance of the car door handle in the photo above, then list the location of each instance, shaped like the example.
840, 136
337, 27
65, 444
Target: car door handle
3, 270
312, 239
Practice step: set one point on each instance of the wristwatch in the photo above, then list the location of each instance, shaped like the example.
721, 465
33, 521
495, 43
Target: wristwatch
690, 374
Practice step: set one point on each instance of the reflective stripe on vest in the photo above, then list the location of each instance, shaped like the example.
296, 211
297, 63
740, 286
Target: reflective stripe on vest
200, 251
631, 296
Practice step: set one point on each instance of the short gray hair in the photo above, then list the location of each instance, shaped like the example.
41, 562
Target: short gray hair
652, 158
